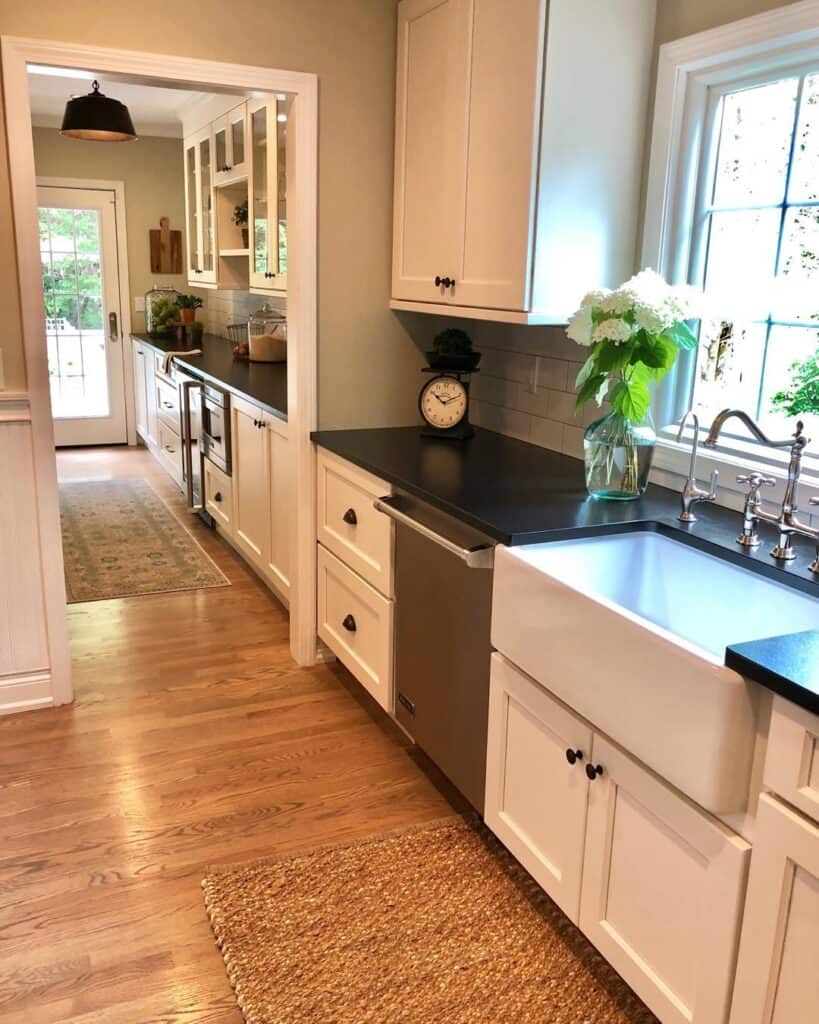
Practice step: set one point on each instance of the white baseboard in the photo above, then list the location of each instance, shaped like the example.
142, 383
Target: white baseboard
25, 692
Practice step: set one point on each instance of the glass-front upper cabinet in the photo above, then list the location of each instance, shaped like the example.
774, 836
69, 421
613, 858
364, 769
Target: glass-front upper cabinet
230, 146
267, 194
200, 225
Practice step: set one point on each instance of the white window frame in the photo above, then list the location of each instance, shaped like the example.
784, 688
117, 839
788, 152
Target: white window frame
776, 41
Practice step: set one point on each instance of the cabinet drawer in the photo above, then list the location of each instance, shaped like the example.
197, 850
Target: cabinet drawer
356, 623
349, 526
169, 452
218, 495
167, 404
792, 760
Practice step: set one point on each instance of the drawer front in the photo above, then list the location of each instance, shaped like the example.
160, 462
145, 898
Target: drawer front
792, 760
349, 526
169, 452
167, 404
356, 623
218, 495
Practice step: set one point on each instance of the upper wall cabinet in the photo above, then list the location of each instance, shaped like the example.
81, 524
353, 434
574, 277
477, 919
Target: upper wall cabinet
519, 146
268, 195
199, 205
230, 150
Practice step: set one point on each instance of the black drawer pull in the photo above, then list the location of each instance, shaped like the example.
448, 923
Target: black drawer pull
405, 702
217, 496
573, 756
349, 624
350, 517
593, 770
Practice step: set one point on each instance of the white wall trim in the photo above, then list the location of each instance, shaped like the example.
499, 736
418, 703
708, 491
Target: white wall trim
124, 280
206, 76
14, 407
25, 692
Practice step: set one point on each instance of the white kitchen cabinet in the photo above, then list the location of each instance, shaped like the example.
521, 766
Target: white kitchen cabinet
777, 981
280, 500
199, 204
663, 890
519, 141
230, 151
267, 195
140, 358
262, 491
654, 882
250, 480
792, 758
218, 488
535, 799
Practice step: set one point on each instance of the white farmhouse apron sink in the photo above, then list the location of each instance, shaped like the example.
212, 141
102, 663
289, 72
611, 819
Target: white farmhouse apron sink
630, 631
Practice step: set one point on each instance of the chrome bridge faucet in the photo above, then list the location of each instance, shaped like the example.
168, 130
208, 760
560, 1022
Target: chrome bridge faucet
786, 521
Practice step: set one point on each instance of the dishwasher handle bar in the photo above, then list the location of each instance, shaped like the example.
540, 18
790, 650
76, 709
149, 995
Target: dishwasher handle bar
479, 557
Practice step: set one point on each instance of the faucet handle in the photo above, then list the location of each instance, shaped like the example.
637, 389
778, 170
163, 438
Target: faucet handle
756, 480
814, 500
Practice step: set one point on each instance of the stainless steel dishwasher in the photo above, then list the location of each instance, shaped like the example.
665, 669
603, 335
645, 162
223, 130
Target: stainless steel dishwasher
443, 602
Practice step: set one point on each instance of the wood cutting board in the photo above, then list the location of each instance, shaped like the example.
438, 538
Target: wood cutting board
166, 249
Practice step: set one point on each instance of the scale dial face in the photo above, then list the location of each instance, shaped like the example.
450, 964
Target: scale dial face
443, 402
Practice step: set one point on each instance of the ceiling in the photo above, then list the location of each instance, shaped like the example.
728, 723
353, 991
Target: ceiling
154, 111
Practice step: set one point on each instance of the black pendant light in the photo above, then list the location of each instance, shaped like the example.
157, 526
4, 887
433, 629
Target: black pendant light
97, 118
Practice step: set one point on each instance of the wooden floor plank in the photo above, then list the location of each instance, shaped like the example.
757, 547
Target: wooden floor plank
194, 739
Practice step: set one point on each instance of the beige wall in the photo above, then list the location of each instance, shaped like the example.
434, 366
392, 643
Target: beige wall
677, 18
154, 187
351, 46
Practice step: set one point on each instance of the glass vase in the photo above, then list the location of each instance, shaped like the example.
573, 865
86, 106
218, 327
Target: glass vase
618, 457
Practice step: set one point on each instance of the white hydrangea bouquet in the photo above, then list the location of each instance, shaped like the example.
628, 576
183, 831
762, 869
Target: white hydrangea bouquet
635, 334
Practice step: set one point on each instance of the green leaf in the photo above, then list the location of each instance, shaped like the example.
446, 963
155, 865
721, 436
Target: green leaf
586, 371
682, 335
614, 357
591, 389
631, 398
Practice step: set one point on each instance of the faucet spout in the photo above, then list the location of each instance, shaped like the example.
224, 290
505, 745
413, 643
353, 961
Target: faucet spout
727, 414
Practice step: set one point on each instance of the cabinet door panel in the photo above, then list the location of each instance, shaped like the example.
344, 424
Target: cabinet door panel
251, 487
777, 981
278, 563
663, 885
792, 761
433, 40
496, 222
140, 399
536, 800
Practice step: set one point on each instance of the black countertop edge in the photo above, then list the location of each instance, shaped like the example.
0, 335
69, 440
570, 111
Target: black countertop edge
524, 494
788, 665
262, 383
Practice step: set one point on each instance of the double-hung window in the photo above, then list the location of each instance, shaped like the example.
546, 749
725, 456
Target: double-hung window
733, 207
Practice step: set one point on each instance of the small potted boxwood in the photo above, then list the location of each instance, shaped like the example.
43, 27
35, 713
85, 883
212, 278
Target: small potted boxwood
452, 350
188, 305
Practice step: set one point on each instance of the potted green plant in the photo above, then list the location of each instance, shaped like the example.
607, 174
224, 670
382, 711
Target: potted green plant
195, 332
452, 350
240, 215
188, 305
635, 334
802, 394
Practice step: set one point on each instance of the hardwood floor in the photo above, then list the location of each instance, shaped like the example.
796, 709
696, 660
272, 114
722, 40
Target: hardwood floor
194, 740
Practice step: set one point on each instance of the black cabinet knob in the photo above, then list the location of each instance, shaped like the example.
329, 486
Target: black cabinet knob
350, 517
217, 496
572, 756
349, 624
447, 282
593, 770
438, 281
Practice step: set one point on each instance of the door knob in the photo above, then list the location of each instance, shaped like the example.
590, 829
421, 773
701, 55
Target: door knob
572, 756
349, 624
593, 770
350, 517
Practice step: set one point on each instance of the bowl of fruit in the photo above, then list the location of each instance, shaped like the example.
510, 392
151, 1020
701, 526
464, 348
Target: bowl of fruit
239, 340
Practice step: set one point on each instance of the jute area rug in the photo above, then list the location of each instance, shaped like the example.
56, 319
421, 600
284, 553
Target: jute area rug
121, 540
433, 926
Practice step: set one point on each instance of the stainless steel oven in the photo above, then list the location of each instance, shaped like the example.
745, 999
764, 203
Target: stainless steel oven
215, 426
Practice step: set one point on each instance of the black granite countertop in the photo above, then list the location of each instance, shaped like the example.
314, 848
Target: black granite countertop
788, 665
518, 493
265, 383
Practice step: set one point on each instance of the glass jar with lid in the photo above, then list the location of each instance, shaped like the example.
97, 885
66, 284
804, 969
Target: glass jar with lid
161, 310
267, 334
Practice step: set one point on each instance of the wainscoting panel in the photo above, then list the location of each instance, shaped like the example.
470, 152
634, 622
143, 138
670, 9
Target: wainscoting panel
24, 652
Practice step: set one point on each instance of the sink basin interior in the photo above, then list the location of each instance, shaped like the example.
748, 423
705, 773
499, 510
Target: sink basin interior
699, 598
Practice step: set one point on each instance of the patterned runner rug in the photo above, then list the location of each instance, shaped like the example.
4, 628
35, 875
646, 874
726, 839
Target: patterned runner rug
121, 540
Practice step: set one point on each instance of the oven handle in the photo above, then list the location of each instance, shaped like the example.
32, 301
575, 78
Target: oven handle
187, 440
479, 557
